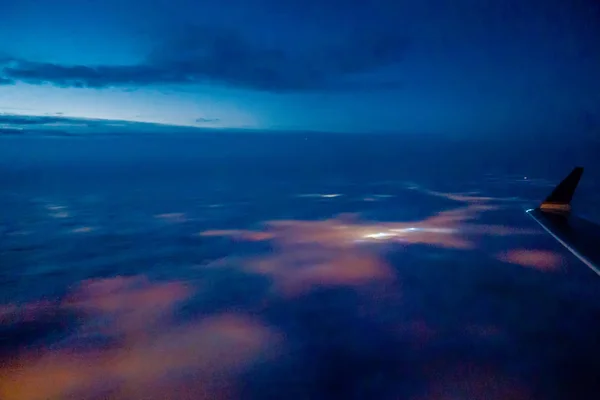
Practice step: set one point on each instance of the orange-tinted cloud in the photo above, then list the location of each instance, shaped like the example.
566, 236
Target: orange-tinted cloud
212, 351
463, 198
542, 260
447, 229
240, 234
13, 313
129, 303
331, 252
296, 272
152, 358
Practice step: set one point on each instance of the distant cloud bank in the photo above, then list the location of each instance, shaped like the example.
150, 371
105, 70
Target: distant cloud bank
218, 55
59, 125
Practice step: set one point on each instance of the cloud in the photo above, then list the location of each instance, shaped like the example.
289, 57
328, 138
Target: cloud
541, 260
207, 120
12, 119
217, 55
343, 251
132, 303
151, 356
297, 271
80, 76
38, 132
6, 81
60, 125
11, 313
11, 132
451, 229
48, 125
239, 234
172, 217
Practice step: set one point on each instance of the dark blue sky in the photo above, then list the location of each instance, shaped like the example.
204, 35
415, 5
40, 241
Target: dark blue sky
462, 66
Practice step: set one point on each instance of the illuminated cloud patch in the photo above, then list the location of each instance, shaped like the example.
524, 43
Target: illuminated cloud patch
172, 217
446, 229
239, 234
129, 303
19, 313
344, 251
542, 260
463, 198
295, 272
152, 358
83, 229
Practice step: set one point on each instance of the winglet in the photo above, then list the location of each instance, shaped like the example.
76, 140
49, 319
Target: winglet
559, 200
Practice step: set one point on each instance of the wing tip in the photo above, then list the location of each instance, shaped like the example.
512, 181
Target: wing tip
559, 201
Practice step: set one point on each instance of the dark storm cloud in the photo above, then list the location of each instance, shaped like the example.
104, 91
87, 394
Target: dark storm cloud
85, 76
221, 56
6, 81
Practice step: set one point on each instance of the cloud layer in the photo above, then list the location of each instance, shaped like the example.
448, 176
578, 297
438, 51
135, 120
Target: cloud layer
59, 125
150, 358
345, 251
222, 56
20, 120
324, 309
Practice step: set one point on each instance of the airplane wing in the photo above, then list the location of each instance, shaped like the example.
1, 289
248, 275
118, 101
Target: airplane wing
580, 236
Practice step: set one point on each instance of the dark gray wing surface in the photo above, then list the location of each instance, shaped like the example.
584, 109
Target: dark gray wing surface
580, 236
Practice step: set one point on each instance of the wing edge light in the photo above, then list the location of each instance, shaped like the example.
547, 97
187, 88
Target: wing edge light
558, 204
577, 254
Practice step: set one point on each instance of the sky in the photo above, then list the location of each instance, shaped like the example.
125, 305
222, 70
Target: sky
472, 67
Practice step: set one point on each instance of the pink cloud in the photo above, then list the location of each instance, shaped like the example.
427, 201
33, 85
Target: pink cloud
212, 352
446, 229
542, 260
331, 252
155, 358
18, 313
463, 198
240, 234
128, 303
297, 272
